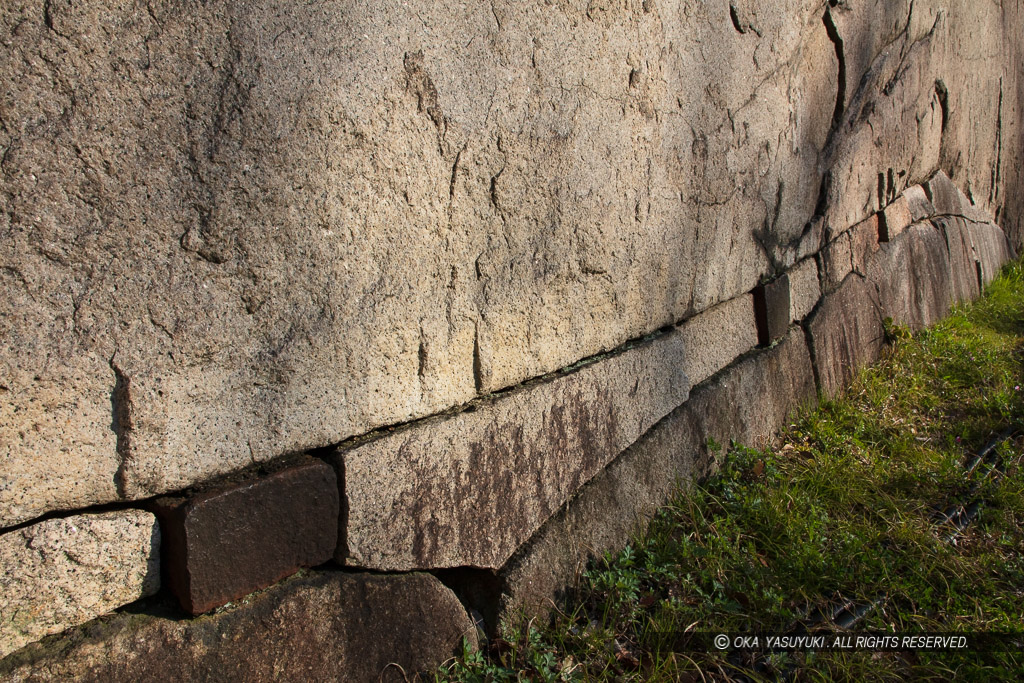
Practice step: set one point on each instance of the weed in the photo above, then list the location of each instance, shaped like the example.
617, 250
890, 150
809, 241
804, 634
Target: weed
845, 508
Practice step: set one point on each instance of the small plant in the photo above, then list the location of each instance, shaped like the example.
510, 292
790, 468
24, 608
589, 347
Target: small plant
843, 509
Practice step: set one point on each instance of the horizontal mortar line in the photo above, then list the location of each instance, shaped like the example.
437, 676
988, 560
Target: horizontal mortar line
486, 399
98, 508
743, 357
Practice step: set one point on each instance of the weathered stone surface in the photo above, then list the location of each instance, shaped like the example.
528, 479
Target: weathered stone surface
849, 252
57, 448
318, 627
771, 309
991, 248
912, 277
468, 489
919, 205
712, 339
63, 572
209, 207
894, 219
222, 544
933, 104
946, 197
964, 278
846, 333
836, 262
863, 242
804, 289
746, 403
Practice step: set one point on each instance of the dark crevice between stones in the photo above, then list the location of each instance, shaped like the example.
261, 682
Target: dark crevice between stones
121, 425
736, 19
481, 592
837, 41
997, 167
943, 94
90, 510
809, 340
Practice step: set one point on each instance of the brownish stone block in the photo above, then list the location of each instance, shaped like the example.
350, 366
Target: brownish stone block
918, 203
747, 402
846, 333
912, 277
771, 309
864, 242
991, 249
228, 542
944, 195
964, 279
324, 626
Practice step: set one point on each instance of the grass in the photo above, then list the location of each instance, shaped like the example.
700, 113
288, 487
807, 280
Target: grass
843, 508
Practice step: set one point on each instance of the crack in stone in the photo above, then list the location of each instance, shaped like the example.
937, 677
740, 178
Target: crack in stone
121, 425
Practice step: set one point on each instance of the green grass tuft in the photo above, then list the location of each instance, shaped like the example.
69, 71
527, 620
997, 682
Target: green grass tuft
842, 509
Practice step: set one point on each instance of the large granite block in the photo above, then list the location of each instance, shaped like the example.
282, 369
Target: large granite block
747, 403
713, 338
991, 248
846, 333
63, 572
918, 203
230, 541
964, 273
324, 626
894, 219
468, 489
912, 277
804, 289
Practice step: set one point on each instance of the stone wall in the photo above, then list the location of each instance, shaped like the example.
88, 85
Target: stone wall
379, 286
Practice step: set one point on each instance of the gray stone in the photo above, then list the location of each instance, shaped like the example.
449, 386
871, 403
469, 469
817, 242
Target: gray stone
804, 289
849, 252
918, 203
846, 333
895, 218
468, 489
63, 572
836, 262
933, 103
210, 207
964, 278
747, 403
912, 277
712, 339
318, 627
864, 242
944, 195
991, 248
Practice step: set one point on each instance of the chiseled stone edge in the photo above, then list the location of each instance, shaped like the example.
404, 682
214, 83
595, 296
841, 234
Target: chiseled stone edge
913, 275
62, 572
748, 402
468, 489
232, 540
323, 625
520, 456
